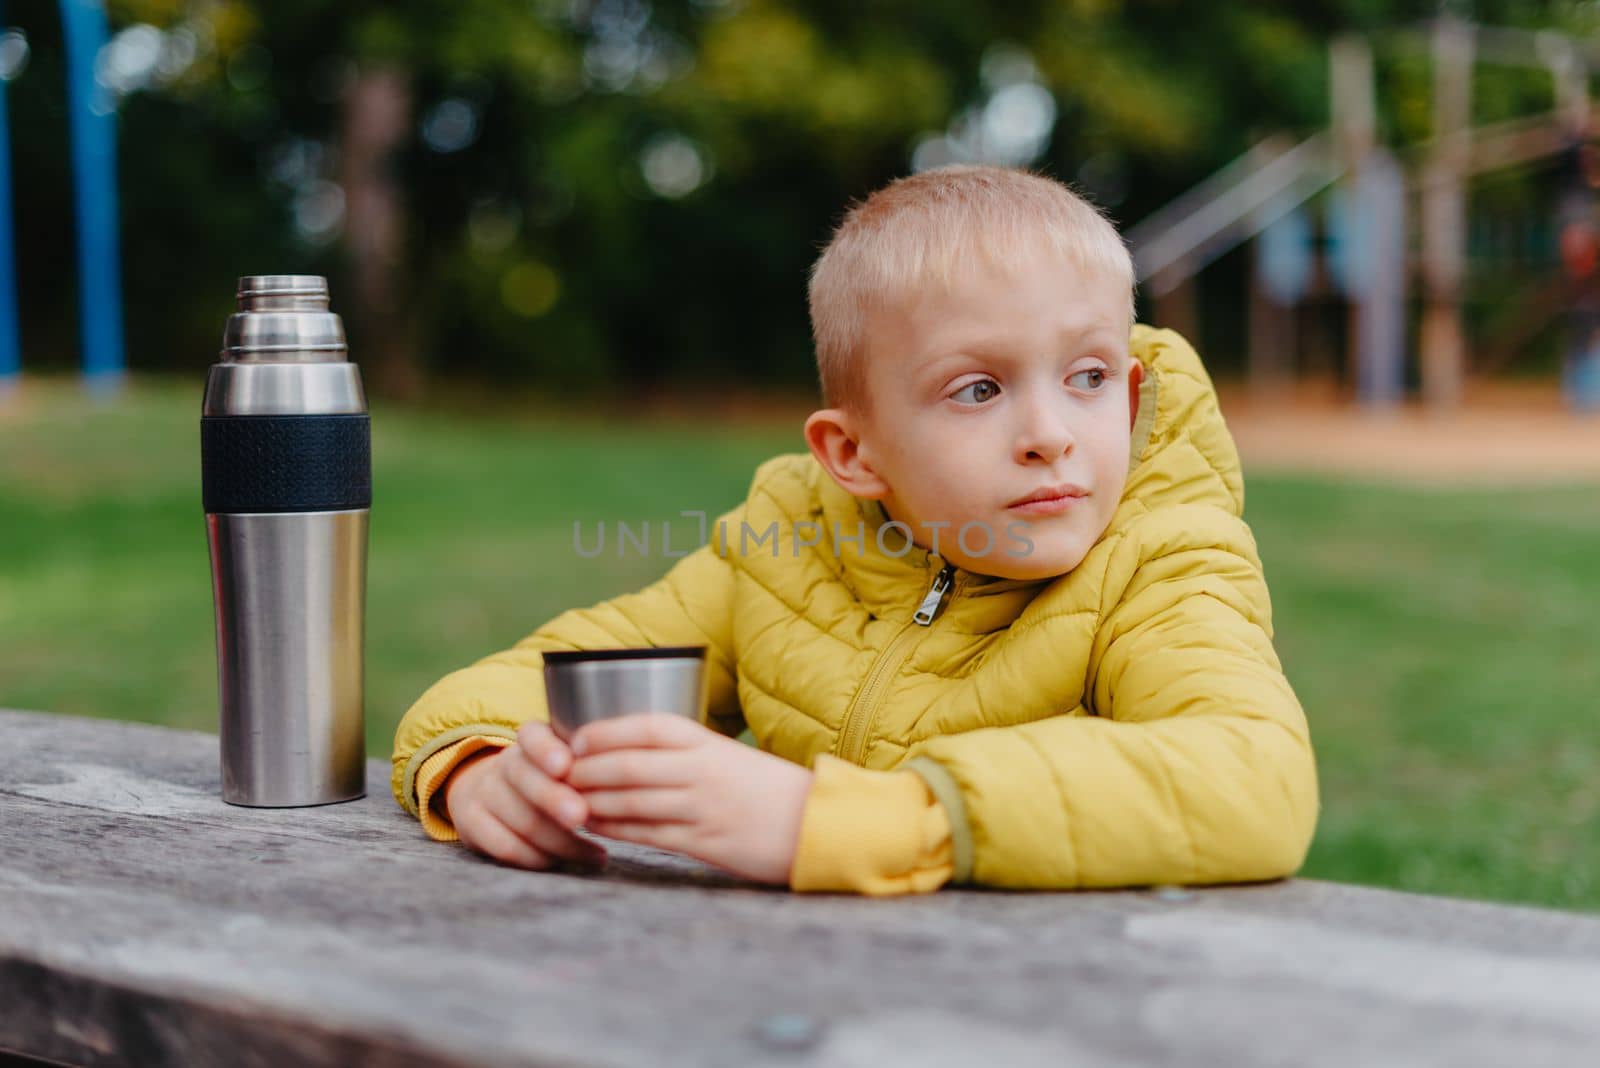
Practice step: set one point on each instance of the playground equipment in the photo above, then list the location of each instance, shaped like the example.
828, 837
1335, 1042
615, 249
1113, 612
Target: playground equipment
1264, 195
92, 119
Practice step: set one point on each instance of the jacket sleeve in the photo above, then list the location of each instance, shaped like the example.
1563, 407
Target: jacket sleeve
691, 605
435, 771
1198, 766
871, 832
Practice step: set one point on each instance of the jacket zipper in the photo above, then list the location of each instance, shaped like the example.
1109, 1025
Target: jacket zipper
859, 716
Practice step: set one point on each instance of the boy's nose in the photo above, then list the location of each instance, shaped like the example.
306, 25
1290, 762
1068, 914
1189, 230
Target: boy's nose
1044, 435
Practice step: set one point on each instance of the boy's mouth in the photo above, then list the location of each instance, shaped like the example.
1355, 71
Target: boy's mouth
1051, 500
1050, 493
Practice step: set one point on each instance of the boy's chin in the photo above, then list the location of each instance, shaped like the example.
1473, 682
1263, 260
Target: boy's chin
1041, 563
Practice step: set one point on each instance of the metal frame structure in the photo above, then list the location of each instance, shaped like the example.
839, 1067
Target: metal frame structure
92, 121
1275, 178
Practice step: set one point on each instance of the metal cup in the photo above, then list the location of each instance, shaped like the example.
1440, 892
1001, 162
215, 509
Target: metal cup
593, 684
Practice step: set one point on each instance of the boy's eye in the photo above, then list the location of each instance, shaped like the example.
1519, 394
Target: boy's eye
978, 392
1098, 380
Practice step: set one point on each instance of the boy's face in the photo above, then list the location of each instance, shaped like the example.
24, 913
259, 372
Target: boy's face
1015, 382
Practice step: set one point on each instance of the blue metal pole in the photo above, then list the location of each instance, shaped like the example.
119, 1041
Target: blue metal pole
10, 345
92, 117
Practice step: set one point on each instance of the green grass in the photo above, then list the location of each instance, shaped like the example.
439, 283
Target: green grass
1442, 641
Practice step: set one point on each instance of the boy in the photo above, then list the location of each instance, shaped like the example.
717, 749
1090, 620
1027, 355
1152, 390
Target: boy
1011, 631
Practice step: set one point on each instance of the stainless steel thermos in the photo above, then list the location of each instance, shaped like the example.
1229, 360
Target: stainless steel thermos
287, 482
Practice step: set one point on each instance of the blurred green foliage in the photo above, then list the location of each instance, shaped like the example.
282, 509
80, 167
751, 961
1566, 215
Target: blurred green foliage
628, 192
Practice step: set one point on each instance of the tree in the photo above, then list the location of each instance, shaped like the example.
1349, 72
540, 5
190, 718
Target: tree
578, 192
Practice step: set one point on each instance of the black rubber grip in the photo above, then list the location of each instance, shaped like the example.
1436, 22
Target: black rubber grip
285, 463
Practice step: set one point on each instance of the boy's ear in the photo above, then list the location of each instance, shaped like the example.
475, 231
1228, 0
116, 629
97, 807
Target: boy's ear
1135, 380
834, 437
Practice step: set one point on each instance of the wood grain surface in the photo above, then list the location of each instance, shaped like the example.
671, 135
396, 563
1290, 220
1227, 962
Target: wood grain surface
142, 921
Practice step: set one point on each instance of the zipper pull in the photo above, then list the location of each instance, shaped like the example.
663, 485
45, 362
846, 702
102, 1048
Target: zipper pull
930, 603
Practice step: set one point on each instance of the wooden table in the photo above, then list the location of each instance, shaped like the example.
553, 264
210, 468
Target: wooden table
142, 921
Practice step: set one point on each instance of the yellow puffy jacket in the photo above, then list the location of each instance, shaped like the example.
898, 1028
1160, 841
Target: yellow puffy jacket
1127, 723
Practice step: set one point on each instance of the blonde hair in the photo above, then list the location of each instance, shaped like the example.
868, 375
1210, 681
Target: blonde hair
916, 230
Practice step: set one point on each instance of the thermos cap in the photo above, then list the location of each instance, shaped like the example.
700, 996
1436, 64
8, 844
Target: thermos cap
283, 353
283, 317
261, 292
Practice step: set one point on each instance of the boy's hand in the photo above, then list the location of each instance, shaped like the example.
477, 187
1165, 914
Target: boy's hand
511, 805
668, 782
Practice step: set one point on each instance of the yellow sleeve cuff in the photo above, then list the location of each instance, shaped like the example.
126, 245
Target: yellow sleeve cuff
871, 832
431, 778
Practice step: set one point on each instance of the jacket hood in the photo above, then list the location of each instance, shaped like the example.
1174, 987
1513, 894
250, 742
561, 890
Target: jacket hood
1181, 450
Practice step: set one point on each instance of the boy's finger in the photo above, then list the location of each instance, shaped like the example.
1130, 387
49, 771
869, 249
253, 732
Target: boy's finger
534, 827
652, 730
494, 839
677, 837
558, 800
650, 805
630, 768
541, 746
